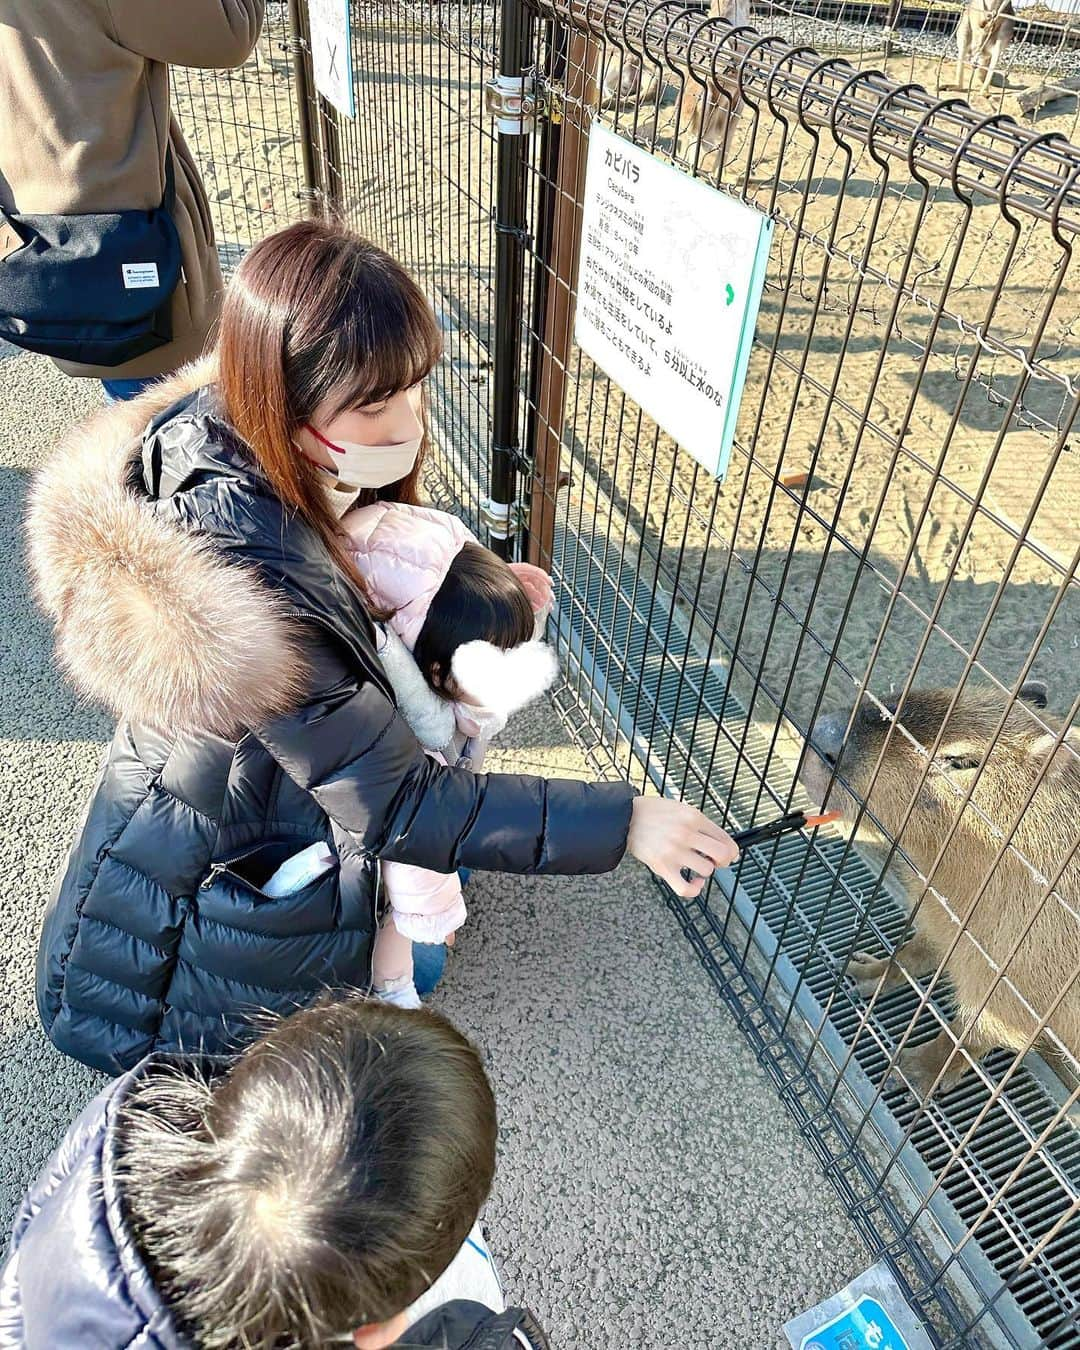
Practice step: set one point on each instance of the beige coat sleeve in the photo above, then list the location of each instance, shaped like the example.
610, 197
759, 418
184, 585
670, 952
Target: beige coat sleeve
210, 33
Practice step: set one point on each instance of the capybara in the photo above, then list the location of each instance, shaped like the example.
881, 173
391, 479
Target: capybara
1019, 949
712, 113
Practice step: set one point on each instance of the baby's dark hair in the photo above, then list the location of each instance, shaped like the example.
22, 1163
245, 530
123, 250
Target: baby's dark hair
480, 600
323, 1183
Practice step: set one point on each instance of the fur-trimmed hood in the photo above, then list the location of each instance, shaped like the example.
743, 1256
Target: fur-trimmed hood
154, 619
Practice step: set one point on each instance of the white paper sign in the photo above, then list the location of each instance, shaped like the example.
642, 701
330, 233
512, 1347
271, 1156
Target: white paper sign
669, 285
330, 29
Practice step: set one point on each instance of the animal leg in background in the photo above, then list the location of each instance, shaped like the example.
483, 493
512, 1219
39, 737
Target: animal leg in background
711, 112
963, 46
998, 30
944, 1055
622, 80
982, 36
621, 77
996, 46
918, 956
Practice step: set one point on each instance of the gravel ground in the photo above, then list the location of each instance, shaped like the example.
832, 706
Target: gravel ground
651, 1192
1023, 56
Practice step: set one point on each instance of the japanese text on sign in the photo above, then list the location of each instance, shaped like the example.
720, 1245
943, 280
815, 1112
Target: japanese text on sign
668, 289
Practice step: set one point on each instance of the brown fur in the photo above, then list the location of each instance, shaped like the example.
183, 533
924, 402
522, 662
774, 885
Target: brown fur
150, 621
1009, 913
711, 115
622, 81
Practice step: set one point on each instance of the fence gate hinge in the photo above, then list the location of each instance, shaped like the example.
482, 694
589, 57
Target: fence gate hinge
516, 101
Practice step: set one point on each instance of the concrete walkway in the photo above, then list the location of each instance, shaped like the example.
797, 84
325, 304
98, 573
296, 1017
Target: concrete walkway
651, 1191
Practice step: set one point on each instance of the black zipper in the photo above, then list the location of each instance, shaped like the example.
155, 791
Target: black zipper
227, 864
378, 675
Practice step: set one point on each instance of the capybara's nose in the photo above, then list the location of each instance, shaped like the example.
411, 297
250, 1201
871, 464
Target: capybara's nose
827, 736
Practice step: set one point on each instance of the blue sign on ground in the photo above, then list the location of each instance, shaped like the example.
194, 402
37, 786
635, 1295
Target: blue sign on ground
867, 1326
871, 1313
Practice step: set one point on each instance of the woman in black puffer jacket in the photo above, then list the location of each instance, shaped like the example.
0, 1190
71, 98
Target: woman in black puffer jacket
185, 546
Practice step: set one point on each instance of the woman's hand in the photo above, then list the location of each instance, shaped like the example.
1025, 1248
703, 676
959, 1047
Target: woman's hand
668, 836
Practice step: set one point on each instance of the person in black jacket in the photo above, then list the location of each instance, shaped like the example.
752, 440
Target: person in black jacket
186, 547
323, 1190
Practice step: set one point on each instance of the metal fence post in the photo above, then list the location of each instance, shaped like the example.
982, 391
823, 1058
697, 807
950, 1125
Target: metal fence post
509, 98
550, 140
332, 164
320, 134
300, 47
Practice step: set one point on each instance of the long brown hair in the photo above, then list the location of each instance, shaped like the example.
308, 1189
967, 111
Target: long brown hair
323, 1184
316, 314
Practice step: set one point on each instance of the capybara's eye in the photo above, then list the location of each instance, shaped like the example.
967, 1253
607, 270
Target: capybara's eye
961, 761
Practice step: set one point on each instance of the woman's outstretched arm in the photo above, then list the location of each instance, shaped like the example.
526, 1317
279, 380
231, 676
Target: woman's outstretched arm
349, 747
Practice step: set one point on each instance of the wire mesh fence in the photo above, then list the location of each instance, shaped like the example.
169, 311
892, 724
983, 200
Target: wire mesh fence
418, 175
879, 605
895, 534
1024, 61
245, 132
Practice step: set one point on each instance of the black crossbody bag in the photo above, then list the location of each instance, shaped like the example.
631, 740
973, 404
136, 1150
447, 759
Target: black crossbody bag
96, 288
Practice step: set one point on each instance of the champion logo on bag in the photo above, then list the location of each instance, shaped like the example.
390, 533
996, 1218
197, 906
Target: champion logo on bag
140, 275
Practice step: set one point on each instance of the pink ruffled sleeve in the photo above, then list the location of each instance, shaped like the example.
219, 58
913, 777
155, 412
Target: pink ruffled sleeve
425, 906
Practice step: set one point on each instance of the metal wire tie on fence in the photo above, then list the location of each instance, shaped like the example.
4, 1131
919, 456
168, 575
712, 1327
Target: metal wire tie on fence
518, 232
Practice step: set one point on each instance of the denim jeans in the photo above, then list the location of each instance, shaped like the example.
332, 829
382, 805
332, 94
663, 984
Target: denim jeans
429, 958
119, 391
429, 962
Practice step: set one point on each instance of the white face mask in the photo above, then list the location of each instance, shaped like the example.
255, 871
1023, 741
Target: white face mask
370, 466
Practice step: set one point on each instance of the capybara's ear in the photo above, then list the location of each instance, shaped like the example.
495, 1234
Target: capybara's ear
1066, 758
1034, 692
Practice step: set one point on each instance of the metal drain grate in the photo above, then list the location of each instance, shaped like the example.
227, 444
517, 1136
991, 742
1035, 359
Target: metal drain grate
793, 912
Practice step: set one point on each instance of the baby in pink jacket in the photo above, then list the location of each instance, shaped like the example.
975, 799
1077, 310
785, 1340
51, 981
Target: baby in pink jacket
461, 650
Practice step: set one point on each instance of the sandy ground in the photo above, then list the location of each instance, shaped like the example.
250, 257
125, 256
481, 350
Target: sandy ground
901, 421
651, 1190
